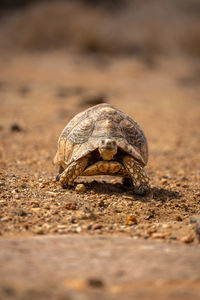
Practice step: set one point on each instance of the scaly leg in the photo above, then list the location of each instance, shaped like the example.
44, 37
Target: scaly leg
137, 174
73, 171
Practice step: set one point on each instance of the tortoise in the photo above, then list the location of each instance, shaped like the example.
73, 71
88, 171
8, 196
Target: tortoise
103, 140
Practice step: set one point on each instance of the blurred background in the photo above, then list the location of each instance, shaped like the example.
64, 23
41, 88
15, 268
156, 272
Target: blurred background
144, 29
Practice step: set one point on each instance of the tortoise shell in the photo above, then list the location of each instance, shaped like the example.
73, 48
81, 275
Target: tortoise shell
83, 133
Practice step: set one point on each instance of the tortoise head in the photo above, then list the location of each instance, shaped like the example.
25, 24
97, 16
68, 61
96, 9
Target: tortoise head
107, 148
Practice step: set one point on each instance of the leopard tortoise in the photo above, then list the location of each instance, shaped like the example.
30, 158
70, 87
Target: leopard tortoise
103, 140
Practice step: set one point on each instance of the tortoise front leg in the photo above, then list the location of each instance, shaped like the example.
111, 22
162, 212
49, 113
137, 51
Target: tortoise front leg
73, 171
137, 174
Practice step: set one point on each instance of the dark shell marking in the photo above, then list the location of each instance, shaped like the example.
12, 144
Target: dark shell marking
81, 132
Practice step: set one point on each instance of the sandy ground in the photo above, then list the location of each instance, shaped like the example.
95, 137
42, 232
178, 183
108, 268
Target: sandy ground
39, 94
105, 268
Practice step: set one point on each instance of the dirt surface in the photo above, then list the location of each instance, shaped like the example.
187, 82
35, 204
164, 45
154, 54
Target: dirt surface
39, 94
94, 273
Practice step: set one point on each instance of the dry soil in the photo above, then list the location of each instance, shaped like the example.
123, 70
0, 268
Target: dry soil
39, 94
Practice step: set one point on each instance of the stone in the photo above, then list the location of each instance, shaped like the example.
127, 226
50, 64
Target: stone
179, 218
15, 127
188, 238
160, 235
131, 220
96, 226
95, 283
80, 188
38, 230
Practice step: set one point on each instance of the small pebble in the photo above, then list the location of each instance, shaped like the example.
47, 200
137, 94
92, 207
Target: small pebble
164, 181
197, 193
101, 203
72, 220
179, 218
38, 230
21, 213
3, 202
96, 226
35, 203
80, 188
152, 230
41, 185
78, 229
47, 206
2, 183
5, 219
61, 226
25, 225
131, 220
15, 127
128, 198
160, 235
95, 282
14, 191
188, 238
167, 225
70, 206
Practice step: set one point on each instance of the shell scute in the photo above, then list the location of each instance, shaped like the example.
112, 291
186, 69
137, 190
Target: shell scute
81, 132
